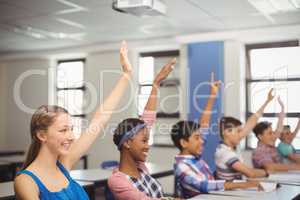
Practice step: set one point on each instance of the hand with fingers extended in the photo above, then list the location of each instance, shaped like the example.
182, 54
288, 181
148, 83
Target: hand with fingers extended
270, 95
214, 85
164, 72
124, 58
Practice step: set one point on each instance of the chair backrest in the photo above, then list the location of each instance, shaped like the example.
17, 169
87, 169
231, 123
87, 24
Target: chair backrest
109, 164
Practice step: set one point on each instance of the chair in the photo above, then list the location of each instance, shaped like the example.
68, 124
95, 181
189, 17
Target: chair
109, 164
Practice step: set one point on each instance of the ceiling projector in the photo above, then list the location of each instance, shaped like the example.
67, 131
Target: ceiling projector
140, 7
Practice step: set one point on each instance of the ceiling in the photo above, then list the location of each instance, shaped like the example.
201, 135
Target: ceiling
31, 25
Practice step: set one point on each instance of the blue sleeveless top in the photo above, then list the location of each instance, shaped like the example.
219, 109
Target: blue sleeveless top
72, 192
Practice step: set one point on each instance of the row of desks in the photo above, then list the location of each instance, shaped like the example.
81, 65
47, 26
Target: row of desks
91, 178
289, 183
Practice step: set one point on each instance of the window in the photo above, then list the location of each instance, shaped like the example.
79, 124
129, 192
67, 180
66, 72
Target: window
70, 90
274, 65
168, 97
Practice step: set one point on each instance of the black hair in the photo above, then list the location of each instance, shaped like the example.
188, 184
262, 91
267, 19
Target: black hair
286, 127
227, 123
125, 126
261, 127
183, 130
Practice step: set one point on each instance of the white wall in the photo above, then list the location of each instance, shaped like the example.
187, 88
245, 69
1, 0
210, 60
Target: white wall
3, 101
34, 92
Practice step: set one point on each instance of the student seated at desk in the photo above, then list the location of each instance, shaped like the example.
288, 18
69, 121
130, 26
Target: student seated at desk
54, 151
192, 174
285, 147
131, 180
266, 155
229, 162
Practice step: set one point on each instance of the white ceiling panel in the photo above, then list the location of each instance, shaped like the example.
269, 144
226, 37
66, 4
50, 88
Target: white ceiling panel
94, 21
10, 12
40, 6
285, 18
47, 24
246, 22
226, 8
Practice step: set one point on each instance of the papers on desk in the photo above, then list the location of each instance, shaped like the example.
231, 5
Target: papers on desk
269, 187
249, 192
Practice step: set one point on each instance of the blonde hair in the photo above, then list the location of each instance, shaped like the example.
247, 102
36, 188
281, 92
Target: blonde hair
43, 117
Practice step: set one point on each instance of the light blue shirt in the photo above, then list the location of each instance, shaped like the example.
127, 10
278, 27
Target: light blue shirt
285, 149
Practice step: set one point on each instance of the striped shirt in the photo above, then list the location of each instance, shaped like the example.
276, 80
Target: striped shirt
193, 177
264, 154
225, 157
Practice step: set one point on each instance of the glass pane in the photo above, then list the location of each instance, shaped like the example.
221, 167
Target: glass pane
275, 62
252, 140
146, 70
142, 100
288, 91
296, 143
71, 100
146, 89
70, 74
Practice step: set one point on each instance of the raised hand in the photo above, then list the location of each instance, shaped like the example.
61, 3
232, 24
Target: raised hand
270, 95
164, 72
124, 58
214, 85
280, 102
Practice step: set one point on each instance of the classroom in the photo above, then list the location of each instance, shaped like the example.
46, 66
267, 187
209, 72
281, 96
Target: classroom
149, 99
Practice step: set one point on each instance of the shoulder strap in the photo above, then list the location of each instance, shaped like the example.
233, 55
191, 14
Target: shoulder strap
64, 170
39, 183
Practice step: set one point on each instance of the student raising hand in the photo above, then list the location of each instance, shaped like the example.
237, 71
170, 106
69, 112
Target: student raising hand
204, 120
281, 116
124, 58
270, 95
162, 75
214, 85
164, 72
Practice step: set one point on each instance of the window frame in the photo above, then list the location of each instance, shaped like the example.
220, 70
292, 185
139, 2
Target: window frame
82, 115
249, 80
165, 83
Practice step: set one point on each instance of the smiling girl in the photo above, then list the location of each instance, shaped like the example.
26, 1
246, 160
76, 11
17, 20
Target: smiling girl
54, 150
132, 179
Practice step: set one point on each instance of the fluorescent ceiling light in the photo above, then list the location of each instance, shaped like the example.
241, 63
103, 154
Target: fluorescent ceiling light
275, 6
42, 34
283, 5
296, 3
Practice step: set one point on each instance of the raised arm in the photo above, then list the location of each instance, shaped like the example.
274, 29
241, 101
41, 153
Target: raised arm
252, 121
296, 129
281, 116
204, 120
102, 114
163, 74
